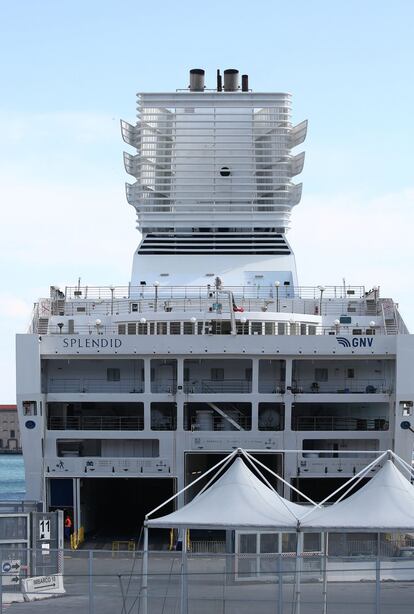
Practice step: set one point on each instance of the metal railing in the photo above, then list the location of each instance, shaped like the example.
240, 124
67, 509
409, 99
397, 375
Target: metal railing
209, 386
337, 423
271, 386
210, 325
168, 386
163, 423
214, 422
355, 386
93, 385
96, 423
265, 290
217, 582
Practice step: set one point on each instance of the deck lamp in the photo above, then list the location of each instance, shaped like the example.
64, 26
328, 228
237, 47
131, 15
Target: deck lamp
406, 426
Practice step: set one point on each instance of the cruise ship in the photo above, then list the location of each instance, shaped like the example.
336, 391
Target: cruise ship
127, 394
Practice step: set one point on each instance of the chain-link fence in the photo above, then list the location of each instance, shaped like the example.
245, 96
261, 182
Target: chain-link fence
105, 582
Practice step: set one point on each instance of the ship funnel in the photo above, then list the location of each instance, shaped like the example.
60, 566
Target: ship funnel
197, 80
231, 80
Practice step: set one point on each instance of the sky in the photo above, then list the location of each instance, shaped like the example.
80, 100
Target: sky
69, 70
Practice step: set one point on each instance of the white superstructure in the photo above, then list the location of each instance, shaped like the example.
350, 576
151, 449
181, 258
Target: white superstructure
125, 394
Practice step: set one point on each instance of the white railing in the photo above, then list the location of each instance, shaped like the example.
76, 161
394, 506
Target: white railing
354, 386
93, 385
97, 293
210, 327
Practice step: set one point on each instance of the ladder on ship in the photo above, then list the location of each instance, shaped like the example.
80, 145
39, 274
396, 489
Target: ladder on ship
42, 326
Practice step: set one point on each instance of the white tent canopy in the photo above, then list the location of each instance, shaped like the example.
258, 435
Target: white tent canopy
238, 499
385, 504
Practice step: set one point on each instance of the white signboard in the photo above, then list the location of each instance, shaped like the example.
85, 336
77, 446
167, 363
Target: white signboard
11, 572
43, 587
44, 529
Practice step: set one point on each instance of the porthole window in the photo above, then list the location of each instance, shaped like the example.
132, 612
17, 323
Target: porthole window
225, 171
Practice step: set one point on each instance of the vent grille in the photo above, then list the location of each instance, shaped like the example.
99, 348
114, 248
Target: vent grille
214, 243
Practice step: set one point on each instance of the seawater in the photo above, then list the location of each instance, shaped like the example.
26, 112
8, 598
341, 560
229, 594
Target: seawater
12, 486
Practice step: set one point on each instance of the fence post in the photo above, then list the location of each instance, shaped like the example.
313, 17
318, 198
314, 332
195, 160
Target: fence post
1, 582
378, 576
280, 578
90, 566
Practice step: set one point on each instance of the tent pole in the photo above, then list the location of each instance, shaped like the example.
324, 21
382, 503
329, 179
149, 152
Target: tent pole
144, 585
298, 566
225, 463
249, 460
177, 494
255, 460
364, 470
325, 572
184, 578
404, 464
361, 476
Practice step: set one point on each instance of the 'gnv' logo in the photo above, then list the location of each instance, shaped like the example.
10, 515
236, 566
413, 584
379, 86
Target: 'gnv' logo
355, 342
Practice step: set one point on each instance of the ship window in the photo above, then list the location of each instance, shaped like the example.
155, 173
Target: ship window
303, 329
142, 328
132, 328
113, 375
134, 307
248, 374
12, 433
225, 171
256, 328
242, 328
175, 328
121, 329
311, 329
280, 328
161, 328
269, 329
186, 374
217, 374
188, 328
350, 373
321, 375
30, 408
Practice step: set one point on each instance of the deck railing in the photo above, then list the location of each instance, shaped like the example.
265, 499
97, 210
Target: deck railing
349, 386
209, 386
337, 423
216, 422
81, 385
96, 423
